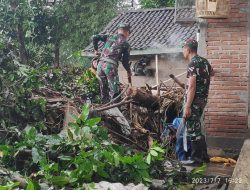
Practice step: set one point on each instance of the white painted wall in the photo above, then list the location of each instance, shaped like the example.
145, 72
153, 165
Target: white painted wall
168, 64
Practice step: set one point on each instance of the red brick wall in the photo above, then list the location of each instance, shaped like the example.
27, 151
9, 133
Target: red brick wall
228, 51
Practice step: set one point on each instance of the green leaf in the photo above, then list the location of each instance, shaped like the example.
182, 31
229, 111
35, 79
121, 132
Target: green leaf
147, 179
70, 135
92, 185
117, 159
85, 112
8, 187
73, 125
200, 170
36, 157
158, 149
92, 122
95, 168
64, 157
181, 187
153, 153
148, 160
59, 180
86, 130
28, 34
30, 186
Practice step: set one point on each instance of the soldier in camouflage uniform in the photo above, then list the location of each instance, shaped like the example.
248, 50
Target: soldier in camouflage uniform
198, 73
116, 48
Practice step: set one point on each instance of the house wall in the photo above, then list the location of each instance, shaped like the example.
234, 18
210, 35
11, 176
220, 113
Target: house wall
228, 51
168, 64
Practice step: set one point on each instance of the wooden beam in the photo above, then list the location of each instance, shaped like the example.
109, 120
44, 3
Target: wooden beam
157, 73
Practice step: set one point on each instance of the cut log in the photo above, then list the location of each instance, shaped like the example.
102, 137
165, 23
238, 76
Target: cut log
142, 98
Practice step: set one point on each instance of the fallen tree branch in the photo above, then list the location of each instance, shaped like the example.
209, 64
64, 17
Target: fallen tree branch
116, 98
114, 105
170, 79
122, 136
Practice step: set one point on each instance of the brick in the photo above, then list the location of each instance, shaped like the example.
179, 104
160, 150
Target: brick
232, 65
212, 56
239, 52
220, 61
232, 110
213, 48
238, 61
214, 38
238, 105
229, 57
235, 47
237, 43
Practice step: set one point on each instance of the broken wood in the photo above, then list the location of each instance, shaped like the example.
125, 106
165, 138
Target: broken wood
122, 136
182, 85
143, 99
113, 105
116, 98
170, 79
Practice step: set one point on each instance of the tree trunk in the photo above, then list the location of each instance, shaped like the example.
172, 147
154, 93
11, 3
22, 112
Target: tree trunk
142, 98
57, 53
22, 49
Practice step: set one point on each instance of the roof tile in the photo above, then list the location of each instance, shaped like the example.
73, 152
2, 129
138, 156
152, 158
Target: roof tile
153, 28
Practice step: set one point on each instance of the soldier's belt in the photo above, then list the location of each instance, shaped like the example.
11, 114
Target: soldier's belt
109, 61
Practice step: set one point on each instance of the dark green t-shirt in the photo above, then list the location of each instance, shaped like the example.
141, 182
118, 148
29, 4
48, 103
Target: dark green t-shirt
200, 68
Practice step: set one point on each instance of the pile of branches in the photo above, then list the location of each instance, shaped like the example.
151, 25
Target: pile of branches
146, 113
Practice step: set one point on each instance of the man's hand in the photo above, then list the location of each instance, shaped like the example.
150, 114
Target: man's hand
187, 112
171, 76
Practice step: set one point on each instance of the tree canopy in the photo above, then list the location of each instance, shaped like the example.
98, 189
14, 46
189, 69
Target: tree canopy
156, 3
63, 27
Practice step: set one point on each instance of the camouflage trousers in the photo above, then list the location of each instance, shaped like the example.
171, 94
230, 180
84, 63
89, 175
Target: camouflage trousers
193, 123
194, 131
107, 74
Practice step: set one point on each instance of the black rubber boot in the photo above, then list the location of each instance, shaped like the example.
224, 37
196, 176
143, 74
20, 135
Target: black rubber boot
199, 150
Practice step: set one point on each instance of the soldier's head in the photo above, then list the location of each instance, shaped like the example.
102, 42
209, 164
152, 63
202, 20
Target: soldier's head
190, 47
124, 28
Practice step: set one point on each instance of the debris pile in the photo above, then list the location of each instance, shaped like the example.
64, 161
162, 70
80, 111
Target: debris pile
136, 120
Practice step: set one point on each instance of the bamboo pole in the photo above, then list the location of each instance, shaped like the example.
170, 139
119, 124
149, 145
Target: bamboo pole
157, 74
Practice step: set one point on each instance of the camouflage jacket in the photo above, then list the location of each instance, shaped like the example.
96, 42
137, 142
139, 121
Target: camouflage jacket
116, 48
200, 68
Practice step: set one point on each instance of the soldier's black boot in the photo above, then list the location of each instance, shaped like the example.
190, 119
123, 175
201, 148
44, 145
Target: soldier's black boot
199, 150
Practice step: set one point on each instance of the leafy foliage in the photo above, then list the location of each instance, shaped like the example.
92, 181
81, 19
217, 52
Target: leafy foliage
180, 178
84, 154
90, 83
156, 3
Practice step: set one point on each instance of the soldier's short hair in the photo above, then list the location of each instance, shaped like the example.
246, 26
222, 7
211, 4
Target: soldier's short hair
125, 26
191, 44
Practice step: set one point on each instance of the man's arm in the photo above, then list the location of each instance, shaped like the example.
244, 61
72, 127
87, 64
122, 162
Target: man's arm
96, 38
212, 72
125, 58
190, 96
